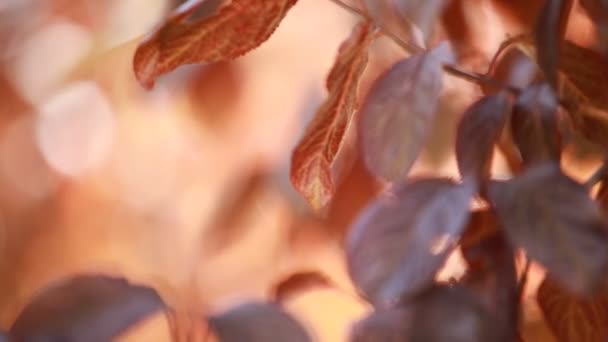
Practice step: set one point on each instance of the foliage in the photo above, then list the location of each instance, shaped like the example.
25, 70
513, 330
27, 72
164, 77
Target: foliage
539, 92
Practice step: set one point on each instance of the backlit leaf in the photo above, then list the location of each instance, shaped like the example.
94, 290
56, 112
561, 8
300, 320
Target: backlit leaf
573, 318
553, 218
550, 29
479, 129
397, 244
85, 308
398, 113
422, 14
315, 154
257, 322
534, 124
235, 29
439, 314
297, 283
598, 11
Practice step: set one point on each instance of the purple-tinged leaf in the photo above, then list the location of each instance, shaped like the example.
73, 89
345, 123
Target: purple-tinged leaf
443, 313
85, 308
398, 113
553, 218
397, 244
513, 69
257, 322
478, 131
534, 125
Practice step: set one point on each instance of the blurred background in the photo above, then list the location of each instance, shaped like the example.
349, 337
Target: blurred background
186, 187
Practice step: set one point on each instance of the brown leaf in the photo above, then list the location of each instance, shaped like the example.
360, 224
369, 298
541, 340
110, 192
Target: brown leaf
398, 113
440, 314
573, 318
297, 283
396, 245
85, 308
236, 29
553, 218
315, 154
479, 129
534, 126
598, 11
257, 322
550, 30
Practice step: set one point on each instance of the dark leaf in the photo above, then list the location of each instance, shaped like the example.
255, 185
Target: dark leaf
491, 272
235, 29
398, 112
3, 337
553, 218
573, 318
478, 131
85, 308
440, 314
297, 283
313, 159
534, 125
257, 322
396, 245
550, 30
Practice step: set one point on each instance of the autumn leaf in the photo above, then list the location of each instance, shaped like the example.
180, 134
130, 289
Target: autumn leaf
534, 126
297, 283
235, 29
598, 11
550, 30
315, 154
554, 219
398, 112
85, 308
479, 129
397, 244
257, 322
458, 311
573, 318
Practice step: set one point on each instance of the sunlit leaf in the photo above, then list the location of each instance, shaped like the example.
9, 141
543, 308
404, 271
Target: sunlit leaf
553, 218
398, 113
598, 11
550, 29
573, 318
298, 283
235, 29
479, 129
85, 308
440, 314
534, 125
398, 243
314, 156
257, 322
